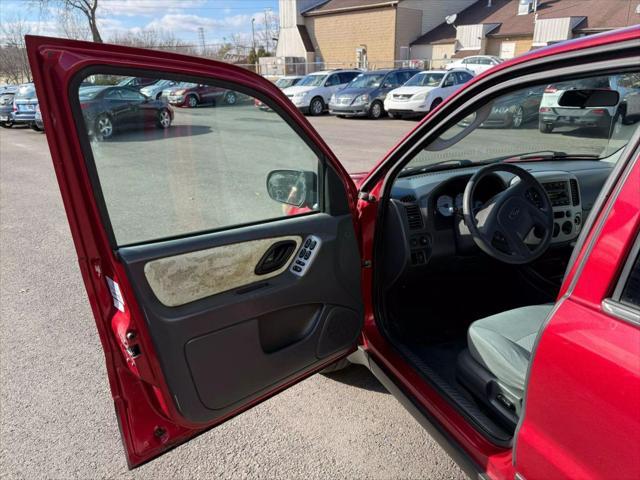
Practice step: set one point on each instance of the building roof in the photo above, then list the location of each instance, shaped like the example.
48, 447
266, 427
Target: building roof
337, 6
600, 15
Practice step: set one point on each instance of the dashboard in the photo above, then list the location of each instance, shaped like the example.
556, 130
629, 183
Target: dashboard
425, 223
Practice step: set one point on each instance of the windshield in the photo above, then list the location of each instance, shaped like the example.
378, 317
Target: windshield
285, 82
311, 81
367, 80
532, 123
425, 79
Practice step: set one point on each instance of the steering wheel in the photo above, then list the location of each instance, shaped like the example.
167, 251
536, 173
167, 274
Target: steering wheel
501, 225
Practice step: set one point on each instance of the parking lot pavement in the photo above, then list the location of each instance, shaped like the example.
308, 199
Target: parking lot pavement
56, 414
359, 143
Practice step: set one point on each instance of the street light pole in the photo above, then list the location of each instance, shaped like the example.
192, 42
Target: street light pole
253, 36
267, 29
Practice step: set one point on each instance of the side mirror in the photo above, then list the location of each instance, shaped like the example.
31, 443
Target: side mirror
589, 98
293, 187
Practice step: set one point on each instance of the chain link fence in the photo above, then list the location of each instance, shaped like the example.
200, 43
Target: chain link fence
273, 67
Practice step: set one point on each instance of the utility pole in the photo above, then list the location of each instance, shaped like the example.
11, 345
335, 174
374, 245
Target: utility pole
253, 36
267, 28
201, 38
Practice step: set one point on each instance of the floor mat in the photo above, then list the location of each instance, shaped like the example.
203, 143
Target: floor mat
437, 365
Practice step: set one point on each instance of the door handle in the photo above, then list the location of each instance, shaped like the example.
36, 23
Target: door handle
275, 257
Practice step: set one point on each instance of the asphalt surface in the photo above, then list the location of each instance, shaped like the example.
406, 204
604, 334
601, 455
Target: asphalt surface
56, 414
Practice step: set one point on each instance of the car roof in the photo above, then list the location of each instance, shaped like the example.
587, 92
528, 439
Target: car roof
327, 72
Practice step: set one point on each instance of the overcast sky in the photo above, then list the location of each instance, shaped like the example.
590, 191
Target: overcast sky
219, 18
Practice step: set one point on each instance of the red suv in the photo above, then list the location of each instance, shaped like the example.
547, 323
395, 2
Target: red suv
489, 278
191, 95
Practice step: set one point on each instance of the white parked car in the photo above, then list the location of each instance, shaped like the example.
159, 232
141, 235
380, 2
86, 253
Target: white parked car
155, 89
477, 64
312, 94
552, 115
424, 91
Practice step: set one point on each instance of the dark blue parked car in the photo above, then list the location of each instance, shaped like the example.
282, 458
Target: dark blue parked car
365, 94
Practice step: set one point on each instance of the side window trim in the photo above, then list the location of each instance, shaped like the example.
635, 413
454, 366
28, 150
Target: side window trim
614, 305
621, 311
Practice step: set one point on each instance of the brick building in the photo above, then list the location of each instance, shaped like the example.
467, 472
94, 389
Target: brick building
508, 28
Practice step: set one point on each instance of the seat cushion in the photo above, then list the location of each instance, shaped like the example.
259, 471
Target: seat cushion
503, 342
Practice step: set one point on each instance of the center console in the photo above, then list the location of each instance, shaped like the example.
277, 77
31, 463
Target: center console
564, 193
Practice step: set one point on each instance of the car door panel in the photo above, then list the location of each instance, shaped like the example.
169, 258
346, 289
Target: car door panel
216, 336
254, 326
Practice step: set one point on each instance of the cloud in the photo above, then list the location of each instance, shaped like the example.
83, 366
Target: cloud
146, 8
10, 31
191, 23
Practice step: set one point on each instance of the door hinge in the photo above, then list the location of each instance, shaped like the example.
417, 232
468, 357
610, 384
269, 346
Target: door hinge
367, 197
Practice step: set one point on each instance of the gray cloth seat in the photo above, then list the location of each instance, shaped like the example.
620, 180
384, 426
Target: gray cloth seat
502, 343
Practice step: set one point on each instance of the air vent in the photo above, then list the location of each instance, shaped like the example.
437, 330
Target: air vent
575, 195
414, 217
408, 199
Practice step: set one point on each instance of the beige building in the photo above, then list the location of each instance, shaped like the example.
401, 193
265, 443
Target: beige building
507, 28
355, 33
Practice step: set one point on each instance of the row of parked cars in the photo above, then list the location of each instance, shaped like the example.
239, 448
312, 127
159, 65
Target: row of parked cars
407, 92
132, 102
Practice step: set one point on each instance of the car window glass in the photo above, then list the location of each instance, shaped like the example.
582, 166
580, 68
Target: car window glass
462, 77
425, 79
333, 80
111, 94
392, 80
450, 80
346, 77
168, 170
131, 95
367, 80
631, 291
312, 81
531, 120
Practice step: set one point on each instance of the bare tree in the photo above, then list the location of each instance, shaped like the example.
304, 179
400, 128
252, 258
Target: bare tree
71, 25
14, 64
84, 8
154, 39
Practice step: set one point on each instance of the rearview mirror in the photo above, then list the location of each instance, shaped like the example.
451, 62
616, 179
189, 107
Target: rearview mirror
293, 187
589, 98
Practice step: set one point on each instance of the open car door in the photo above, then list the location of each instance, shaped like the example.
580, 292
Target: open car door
217, 244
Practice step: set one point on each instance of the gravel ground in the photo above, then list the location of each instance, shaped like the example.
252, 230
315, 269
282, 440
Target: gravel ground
56, 415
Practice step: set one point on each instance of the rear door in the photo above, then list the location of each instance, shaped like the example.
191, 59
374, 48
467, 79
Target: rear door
581, 417
208, 294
